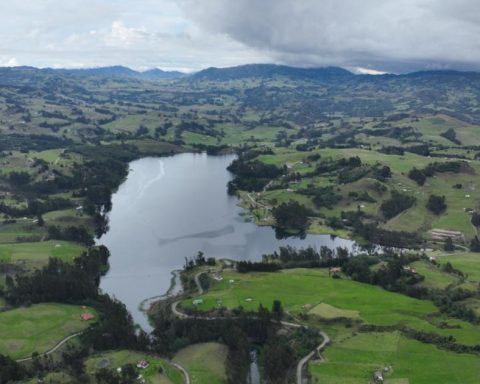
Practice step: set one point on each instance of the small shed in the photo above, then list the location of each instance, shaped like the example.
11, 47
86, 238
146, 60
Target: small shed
143, 364
334, 271
87, 316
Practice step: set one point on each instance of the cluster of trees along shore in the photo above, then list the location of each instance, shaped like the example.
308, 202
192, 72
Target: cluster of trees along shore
254, 176
93, 182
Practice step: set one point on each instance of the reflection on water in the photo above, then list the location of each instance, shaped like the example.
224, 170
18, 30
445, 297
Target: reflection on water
171, 208
201, 235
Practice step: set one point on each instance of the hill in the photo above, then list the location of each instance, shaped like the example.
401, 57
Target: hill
116, 71
271, 70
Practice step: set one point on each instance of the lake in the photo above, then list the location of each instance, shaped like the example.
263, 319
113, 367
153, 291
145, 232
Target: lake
169, 209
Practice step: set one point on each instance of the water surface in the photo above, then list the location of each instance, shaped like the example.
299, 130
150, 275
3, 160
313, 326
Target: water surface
171, 208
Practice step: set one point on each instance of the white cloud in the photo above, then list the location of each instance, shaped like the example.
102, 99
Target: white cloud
139, 34
367, 71
376, 35
8, 62
123, 36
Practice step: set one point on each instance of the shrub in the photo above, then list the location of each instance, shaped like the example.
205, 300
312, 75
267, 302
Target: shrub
436, 204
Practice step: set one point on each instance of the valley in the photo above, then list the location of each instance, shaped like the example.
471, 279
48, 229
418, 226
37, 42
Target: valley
316, 157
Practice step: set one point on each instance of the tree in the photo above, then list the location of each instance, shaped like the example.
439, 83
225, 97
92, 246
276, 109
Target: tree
448, 246
277, 357
142, 130
277, 309
436, 204
418, 176
396, 204
19, 178
10, 370
475, 245
383, 173
291, 215
476, 219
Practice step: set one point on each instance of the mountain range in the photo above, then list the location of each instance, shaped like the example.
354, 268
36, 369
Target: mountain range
264, 71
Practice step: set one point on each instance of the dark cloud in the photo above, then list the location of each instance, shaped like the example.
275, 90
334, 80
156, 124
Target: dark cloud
394, 35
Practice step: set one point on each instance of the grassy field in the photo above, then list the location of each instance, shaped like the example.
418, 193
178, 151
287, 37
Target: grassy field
67, 217
23, 228
468, 263
354, 358
434, 277
328, 311
418, 218
158, 372
36, 254
298, 289
432, 127
38, 328
205, 362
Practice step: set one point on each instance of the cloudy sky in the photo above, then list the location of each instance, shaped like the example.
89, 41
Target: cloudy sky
367, 35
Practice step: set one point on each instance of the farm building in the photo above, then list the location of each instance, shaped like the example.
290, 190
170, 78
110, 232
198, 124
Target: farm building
143, 364
87, 316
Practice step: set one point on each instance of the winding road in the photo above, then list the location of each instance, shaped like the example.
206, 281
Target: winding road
197, 282
301, 364
55, 348
186, 375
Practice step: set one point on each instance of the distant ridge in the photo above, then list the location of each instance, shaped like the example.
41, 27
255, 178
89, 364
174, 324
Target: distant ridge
113, 71
445, 73
271, 70
120, 71
258, 71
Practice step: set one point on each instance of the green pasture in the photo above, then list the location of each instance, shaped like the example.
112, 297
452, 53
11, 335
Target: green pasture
417, 218
23, 228
205, 362
468, 263
36, 254
328, 311
39, 327
50, 155
432, 127
434, 277
68, 217
353, 360
301, 288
